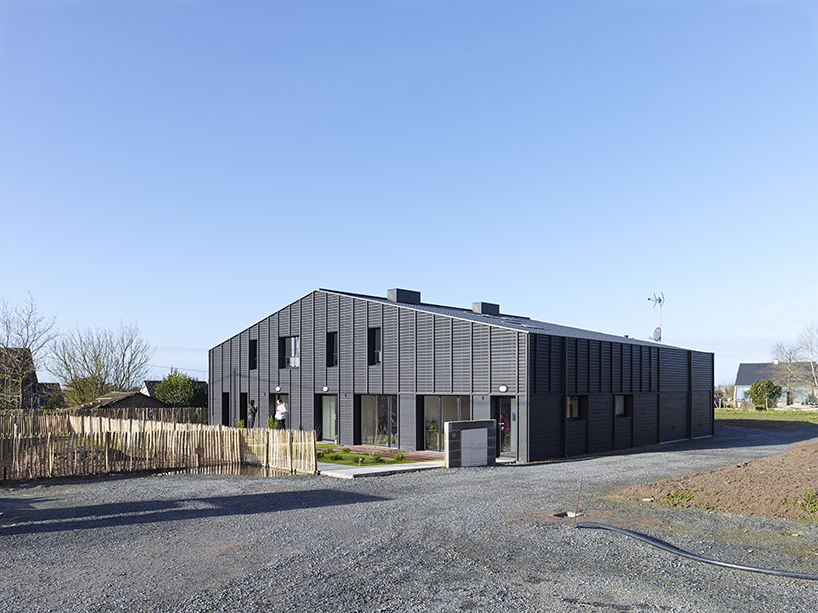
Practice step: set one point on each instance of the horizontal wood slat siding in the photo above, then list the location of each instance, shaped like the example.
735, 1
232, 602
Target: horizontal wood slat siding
672, 416
244, 339
407, 422
627, 369
443, 355
557, 365
307, 371
571, 364
391, 343
702, 371
407, 350
522, 366
600, 423
503, 362
583, 367
595, 374
702, 422
346, 341
360, 356
462, 357
577, 437
674, 370
645, 420
623, 432
545, 430
607, 368
425, 353
542, 369
272, 352
320, 331
481, 350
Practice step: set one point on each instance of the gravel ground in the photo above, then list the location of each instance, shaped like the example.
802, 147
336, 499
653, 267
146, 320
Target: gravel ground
478, 539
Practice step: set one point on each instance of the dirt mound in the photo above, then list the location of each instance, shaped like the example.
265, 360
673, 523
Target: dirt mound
784, 486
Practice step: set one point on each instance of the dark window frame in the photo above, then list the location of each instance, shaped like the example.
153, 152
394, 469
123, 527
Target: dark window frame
253, 354
332, 349
374, 346
289, 357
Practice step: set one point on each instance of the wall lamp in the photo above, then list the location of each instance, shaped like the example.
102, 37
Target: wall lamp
325, 388
503, 388
278, 389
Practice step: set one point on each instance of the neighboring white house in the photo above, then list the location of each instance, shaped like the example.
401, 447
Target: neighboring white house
752, 372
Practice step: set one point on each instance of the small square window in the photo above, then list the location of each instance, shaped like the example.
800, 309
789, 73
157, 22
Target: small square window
577, 407
289, 352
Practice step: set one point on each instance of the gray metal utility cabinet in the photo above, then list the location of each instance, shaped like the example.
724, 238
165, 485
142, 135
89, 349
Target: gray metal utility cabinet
470, 443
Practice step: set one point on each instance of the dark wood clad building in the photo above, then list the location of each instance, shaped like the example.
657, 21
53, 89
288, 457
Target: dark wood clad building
391, 371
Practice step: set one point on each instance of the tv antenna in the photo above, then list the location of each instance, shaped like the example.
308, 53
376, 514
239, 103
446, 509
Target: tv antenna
658, 300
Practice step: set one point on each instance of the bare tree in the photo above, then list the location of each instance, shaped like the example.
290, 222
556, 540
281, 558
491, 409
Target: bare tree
25, 334
93, 362
808, 347
788, 369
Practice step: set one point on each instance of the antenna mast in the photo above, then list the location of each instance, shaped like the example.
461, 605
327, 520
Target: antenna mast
658, 300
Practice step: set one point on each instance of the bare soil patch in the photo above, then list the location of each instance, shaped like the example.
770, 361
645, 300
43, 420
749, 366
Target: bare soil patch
784, 486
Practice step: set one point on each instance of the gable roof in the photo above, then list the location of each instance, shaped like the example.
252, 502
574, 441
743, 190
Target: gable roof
751, 372
509, 322
122, 399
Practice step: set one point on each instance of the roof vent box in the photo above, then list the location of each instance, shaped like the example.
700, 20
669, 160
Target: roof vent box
485, 308
406, 296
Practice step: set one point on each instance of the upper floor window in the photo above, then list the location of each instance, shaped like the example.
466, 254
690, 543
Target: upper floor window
253, 354
332, 349
289, 352
374, 346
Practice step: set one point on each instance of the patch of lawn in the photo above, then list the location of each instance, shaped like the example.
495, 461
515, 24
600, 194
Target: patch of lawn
350, 458
810, 417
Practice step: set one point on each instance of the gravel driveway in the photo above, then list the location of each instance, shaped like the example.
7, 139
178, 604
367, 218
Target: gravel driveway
477, 539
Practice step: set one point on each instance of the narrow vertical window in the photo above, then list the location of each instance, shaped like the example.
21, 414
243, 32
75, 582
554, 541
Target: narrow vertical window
253, 354
332, 349
374, 346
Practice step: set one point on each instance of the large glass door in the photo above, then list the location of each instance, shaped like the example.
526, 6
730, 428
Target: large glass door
379, 420
437, 410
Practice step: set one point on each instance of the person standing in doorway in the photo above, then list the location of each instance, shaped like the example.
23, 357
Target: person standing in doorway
251, 414
281, 414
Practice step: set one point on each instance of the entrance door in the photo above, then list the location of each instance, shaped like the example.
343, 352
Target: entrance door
329, 418
504, 410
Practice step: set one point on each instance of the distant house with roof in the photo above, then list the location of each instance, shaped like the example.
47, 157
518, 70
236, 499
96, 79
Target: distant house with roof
392, 371
19, 387
750, 372
122, 400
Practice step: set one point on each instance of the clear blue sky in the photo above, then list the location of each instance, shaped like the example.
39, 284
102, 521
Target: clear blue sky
193, 166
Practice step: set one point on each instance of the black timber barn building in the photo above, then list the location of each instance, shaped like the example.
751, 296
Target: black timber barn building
391, 371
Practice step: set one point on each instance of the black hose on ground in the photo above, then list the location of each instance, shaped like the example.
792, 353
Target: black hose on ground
675, 550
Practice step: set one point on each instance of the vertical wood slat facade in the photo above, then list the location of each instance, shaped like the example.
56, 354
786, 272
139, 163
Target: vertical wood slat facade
430, 352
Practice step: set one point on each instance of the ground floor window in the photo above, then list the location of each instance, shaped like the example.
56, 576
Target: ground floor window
437, 410
623, 406
379, 420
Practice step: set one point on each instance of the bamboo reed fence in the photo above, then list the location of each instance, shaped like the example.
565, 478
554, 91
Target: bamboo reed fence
78, 446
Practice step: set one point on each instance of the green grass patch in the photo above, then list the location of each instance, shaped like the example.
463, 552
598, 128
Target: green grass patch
676, 497
807, 417
350, 458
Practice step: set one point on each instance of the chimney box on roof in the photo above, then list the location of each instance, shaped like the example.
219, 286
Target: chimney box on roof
485, 308
406, 296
